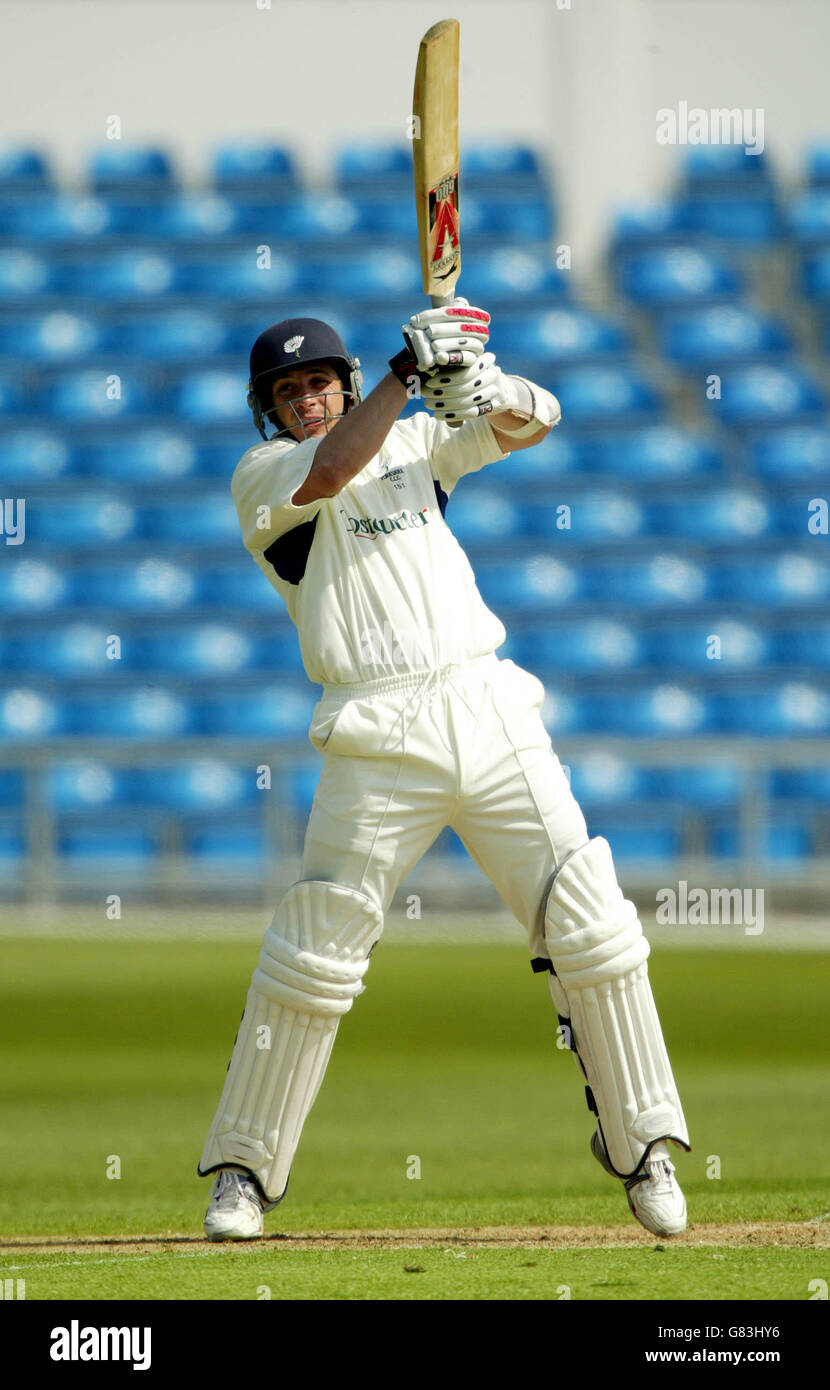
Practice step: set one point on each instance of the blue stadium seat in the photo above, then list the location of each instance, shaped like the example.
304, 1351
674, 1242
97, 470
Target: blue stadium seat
754, 221
239, 585
311, 217
601, 395
185, 217
729, 514
84, 520
13, 398
130, 852
648, 223
75, 649
202, 649
234, 274
753, 396
588, 647
57, 218
477, 516
353, 275
785, 579
57, 336
789, 709
217, 850
134, 168
34, 454
204, 519
652, 453
368, 165
781, 841
30, 714
32, 586
591, 517
12, 788
499, 162
84, 784
705, 786
23, 168
815, 276
721, 334
651, 711
213, 395
201, 785
173, 335
802, 784
85, 394
793, 451
24, 275
533, 585
818, 164
558, 456
724, 166
677, 275
141, 714
638, 837
688, 645
604, 779
559, 335
152, 585
271, 711
808, 218
139, 456
490, 276
526, 219
137, 275
657, 581
244, 166
804, 645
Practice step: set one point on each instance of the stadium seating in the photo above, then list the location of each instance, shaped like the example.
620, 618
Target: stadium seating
660, 560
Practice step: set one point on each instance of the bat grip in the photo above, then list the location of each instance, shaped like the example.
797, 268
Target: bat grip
440, 301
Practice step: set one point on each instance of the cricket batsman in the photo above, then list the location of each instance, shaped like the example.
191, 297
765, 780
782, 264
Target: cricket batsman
421, 725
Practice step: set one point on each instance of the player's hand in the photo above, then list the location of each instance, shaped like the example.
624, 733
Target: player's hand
464, 393
452, 336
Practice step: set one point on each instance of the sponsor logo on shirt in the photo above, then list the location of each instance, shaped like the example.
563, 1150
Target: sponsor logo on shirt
374, 526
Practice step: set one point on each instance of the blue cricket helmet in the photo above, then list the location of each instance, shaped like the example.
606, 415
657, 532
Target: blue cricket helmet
292, 343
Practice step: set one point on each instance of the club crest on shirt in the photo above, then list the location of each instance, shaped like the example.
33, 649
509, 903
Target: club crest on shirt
395, 476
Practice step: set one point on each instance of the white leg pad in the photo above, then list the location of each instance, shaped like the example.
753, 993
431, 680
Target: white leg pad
601, 987
311, 967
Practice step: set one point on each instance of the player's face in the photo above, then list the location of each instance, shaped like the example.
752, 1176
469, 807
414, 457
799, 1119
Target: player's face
309, 400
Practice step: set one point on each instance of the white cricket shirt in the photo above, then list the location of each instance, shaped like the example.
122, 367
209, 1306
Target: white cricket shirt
374, 578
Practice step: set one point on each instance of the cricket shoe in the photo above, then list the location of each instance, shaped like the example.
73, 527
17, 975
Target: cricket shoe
654, 1194
236, 1207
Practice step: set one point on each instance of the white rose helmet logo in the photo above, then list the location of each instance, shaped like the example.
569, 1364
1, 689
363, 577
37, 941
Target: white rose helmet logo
294, 344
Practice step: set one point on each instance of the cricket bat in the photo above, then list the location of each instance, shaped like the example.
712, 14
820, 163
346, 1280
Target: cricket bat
435, 160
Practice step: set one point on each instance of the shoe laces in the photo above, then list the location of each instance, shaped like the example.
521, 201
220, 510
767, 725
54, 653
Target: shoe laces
229, 1187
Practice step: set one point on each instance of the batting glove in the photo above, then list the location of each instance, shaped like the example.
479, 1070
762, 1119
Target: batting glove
452, 336
484, 389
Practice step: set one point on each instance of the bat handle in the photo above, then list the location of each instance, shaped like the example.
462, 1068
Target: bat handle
440, 301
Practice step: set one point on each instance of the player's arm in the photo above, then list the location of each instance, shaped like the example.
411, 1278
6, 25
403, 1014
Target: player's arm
353, 441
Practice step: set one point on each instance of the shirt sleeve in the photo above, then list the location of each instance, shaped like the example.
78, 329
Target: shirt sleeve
263, 486
452, 453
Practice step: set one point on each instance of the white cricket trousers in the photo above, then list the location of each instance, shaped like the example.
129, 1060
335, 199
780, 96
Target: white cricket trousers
462, 746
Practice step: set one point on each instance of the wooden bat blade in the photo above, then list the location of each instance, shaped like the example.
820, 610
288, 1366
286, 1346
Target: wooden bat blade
435, 158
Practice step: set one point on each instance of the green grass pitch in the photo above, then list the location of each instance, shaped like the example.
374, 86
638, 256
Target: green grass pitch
447, 1154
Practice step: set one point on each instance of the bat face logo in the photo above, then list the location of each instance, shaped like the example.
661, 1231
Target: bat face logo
294, 344
443, 226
